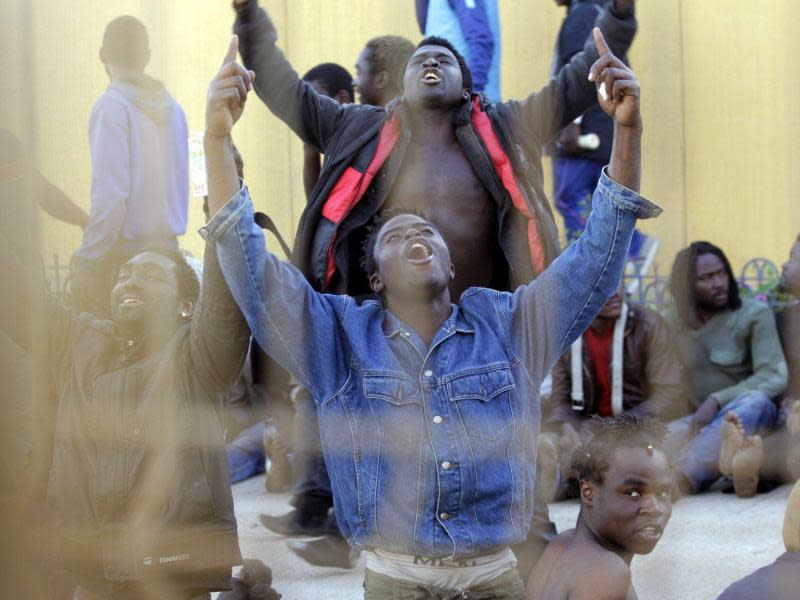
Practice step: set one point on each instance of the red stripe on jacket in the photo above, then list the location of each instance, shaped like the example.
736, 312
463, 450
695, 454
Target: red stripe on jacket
352, 186
483, 125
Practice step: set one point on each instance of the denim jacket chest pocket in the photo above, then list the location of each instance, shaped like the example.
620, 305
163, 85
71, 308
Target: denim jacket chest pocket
395, 404
484, 401
727, 357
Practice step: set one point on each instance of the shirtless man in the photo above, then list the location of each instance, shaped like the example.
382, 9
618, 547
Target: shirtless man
474, 168
625, 491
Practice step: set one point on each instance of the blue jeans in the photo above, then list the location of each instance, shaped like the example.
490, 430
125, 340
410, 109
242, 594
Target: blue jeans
246, 453
697, 457
574, 182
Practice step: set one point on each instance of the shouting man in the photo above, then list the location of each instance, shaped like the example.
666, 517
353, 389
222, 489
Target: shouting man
428, 410
473, 167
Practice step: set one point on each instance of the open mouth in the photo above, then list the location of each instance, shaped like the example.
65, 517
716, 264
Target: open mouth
431, 76
653, 531
418, 251
131, 301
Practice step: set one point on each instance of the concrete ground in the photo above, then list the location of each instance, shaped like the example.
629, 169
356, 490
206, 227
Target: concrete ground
712, 540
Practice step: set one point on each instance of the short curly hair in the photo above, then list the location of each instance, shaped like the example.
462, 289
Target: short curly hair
608, 434
466, 74
368, 246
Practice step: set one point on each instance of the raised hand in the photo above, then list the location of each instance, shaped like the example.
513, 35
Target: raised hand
617, 88
227, 93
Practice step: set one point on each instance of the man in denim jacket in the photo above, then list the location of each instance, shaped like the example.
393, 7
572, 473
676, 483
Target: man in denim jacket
427, 409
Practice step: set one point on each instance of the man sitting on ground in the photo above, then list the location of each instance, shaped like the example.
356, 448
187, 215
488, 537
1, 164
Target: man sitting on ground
625, 361
626, 502
436, 511
753, 464
731, 356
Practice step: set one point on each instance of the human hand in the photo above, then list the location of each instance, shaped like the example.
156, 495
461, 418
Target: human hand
617, 87
705, 413
227, 93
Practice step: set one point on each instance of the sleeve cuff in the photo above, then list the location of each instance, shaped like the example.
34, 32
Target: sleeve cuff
627, 199
229, 214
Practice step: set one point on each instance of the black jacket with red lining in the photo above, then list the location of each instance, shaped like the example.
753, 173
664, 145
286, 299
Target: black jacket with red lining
364, 147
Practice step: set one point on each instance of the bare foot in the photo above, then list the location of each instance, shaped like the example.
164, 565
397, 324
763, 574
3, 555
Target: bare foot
791, 521
793, 420
732, 433
745, 466
548, 468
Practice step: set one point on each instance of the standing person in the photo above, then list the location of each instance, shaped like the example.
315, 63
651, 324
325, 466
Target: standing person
428, 410
625, 361
473, 27
379, 69
626, 502
472, 166
577, 160
731, 356
332, 80
138, 140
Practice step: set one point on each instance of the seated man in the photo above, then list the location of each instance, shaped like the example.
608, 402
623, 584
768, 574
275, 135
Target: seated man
626, 502
428, 411
778, 581
731, 356
626, 361
139, 483
754, 464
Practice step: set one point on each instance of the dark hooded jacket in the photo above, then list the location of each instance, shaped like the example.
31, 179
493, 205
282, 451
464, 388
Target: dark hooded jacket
364, 147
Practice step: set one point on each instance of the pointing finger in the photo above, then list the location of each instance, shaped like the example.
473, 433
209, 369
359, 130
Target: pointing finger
233, 48
600, 42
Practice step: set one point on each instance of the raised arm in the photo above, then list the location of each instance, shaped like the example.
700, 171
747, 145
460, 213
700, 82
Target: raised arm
569, 93
291, 322
548, 314
313, 117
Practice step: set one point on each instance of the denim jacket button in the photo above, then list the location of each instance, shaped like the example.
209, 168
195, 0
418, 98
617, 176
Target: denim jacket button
444, 516
446, 465
428, 373
437, 419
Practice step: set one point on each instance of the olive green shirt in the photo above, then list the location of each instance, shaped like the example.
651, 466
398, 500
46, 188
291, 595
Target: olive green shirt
736, 351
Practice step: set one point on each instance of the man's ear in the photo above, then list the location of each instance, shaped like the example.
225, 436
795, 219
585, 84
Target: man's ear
452, 271
102, 55
376, 283
467, 94
587, 493
343, 97
381, 80
186, 308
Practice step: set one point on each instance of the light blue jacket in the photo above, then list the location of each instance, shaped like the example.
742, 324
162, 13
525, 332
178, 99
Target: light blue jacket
431, 451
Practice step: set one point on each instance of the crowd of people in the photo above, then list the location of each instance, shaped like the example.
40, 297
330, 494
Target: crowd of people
425, 370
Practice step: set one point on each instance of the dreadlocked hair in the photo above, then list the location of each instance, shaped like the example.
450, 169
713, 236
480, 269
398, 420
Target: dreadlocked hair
368, 245
608, 434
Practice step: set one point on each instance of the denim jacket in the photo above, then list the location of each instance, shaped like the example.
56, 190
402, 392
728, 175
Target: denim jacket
431, 451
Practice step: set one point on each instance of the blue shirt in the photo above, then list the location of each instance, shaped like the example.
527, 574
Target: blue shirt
430, 450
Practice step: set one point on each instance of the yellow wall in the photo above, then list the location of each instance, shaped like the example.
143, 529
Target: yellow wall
720, 83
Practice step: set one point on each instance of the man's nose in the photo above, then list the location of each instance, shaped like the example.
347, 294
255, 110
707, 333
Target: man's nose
412, 232
431, 62
651, 505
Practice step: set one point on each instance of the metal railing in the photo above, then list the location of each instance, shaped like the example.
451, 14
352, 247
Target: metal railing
651, 288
